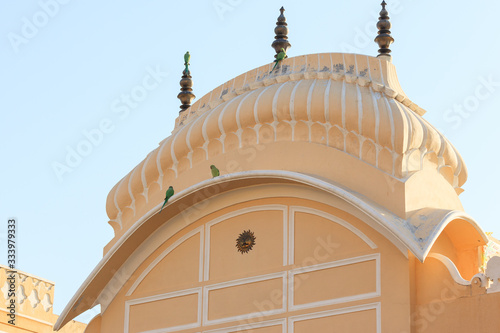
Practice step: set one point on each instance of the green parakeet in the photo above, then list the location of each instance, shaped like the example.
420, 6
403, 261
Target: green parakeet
168, 195
215, 171
281, 56
187, 57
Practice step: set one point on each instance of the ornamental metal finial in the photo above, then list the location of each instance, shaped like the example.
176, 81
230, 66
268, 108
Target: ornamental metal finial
186, 95
384, 38
281, 31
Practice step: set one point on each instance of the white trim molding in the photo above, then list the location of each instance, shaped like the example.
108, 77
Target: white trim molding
450, 265
330, 217
207, 289
336, 312
270, 323
194, 291
166, 252
338, 263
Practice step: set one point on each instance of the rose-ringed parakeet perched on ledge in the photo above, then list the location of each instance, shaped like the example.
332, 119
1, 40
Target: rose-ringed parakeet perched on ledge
281, 56
187, 57
168, 195
215, 171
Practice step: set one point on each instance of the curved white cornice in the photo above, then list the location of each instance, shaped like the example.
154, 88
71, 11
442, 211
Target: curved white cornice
399, 231
480, 279
428, 223
455, 274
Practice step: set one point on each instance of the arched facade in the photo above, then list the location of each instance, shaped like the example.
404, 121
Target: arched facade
351, 194
309, 257
315, 260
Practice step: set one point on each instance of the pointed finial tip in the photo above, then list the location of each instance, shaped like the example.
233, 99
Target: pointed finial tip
384, 38
281, 30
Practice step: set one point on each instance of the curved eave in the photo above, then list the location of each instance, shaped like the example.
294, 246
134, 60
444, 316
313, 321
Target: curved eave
399, 231
436, 220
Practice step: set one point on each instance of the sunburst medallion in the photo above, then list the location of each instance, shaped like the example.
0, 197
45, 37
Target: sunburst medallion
245, 241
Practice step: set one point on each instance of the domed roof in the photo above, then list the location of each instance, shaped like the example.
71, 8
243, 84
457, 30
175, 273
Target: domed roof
349, 103
352, 103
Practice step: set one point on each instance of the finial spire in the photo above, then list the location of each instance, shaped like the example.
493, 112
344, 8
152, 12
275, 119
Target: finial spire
384, 38
281, 31
186, 95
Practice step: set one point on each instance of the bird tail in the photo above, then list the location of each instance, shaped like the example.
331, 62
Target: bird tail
276, 64
163, 206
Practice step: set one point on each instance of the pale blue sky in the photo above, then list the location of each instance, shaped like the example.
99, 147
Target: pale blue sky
68, 75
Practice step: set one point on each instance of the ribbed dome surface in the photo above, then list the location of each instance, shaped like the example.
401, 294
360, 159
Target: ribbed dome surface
348, 102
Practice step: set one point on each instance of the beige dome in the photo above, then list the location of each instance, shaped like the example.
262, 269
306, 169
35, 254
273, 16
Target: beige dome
352, 103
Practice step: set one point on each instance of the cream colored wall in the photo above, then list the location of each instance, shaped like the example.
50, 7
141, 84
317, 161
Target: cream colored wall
429, 189
72, 327
466, 314
94, 326
327, 283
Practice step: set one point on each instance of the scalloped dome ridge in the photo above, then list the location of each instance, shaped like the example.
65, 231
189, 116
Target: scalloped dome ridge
349, 102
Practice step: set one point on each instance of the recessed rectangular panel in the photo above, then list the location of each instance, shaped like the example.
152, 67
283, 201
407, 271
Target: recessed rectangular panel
354, 322
167, 313
271, 326
336, 284
319, 239
246, 329
245, 299
273, 329
225, 262
179, 269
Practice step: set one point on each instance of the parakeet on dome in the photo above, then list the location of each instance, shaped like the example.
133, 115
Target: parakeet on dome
187, 57
215, 171
281, 56
168, 195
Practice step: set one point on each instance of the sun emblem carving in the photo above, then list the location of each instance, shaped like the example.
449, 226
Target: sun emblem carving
245, 241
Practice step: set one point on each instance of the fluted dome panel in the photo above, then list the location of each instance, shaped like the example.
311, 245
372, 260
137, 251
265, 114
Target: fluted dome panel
347, 102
